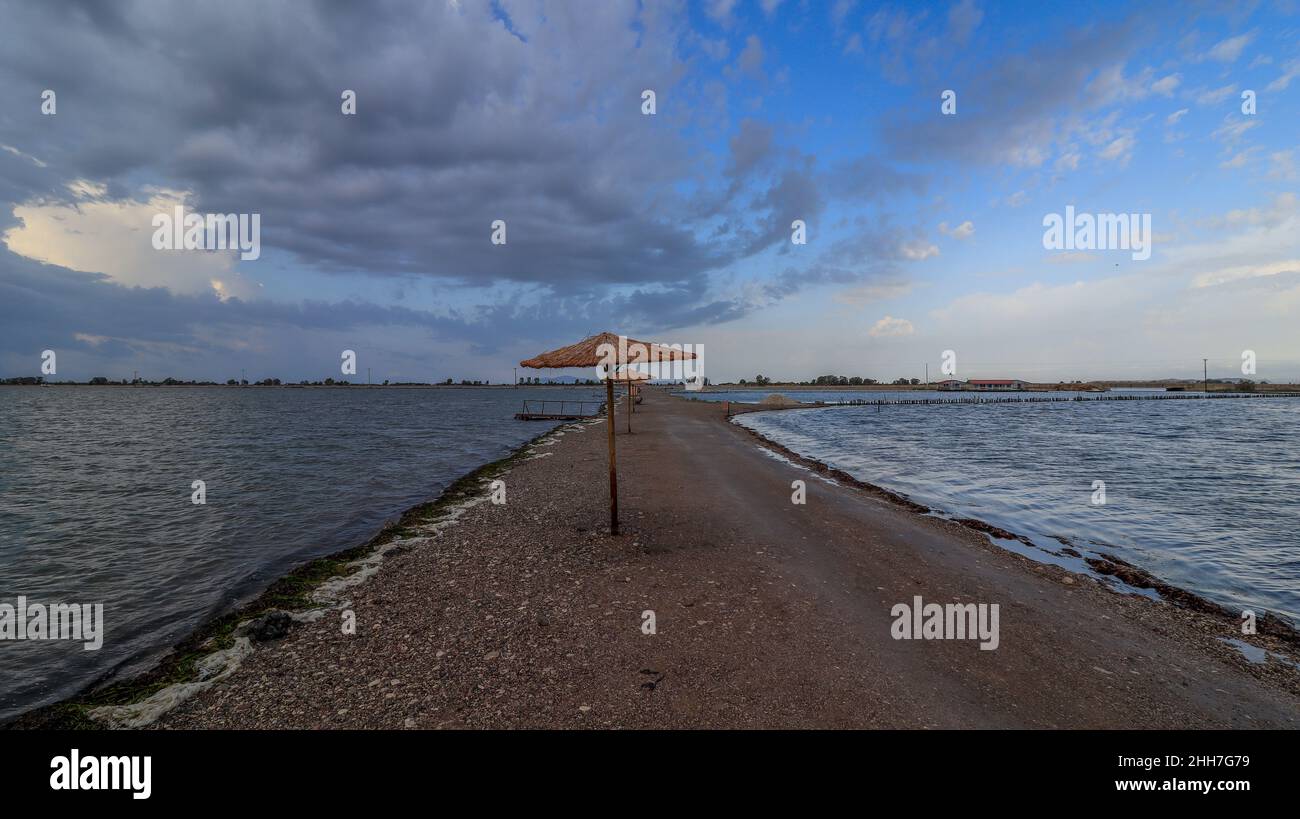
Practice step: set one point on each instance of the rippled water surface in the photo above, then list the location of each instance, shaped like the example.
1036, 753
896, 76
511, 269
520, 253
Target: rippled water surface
95, 499
1205, 494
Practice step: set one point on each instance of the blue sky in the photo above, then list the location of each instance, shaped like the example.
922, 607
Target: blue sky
924, 230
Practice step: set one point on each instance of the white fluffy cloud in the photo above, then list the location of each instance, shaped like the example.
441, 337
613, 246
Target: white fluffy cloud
890, 327
1166, 85
963, 231
1227, 51
1214, 96
916, 251
1289, 73
97, 234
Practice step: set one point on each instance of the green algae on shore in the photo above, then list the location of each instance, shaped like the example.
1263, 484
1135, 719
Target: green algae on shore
189, 662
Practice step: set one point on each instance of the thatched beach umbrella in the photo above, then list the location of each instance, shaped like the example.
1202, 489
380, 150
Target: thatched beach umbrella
630, 377
610, 352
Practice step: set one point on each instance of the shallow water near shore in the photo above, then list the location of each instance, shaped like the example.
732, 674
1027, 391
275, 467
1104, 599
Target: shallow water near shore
1200, 493
95, 500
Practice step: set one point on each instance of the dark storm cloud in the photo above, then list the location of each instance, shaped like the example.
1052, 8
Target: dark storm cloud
49, 307
44, 306
460, 123
615, 220
795, 194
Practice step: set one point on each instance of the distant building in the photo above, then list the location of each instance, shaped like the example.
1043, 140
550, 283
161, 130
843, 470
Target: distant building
995, 384
949, 384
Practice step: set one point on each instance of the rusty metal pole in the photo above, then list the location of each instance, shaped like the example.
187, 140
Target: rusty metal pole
613, 472
629, 408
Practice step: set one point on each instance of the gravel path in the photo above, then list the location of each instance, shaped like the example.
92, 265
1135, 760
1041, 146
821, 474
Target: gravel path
768, 614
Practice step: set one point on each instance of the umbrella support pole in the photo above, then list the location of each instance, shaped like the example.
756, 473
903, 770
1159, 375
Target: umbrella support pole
613, 472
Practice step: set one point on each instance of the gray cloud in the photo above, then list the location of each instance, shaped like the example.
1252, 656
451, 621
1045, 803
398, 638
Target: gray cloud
1012, 110
460, 122
465, 116
49, 307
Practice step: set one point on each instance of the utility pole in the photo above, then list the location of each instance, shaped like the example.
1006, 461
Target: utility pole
241, 376
367, 376
927, 373
515, 370
1205, 376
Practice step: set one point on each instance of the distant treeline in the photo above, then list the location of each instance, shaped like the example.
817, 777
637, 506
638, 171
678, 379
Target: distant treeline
527, 381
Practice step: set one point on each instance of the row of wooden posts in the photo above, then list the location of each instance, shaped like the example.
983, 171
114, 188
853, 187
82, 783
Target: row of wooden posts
1034, 399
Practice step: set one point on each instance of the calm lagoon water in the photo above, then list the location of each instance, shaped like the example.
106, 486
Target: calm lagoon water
1204, 494
95, 499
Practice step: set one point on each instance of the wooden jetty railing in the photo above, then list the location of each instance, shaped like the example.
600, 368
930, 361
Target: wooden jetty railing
536, 409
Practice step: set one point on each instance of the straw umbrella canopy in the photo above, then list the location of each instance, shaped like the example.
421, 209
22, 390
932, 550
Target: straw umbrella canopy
609, 351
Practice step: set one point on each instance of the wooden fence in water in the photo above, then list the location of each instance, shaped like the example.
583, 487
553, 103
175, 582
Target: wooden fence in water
536, 409
1048, 398
735, 407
